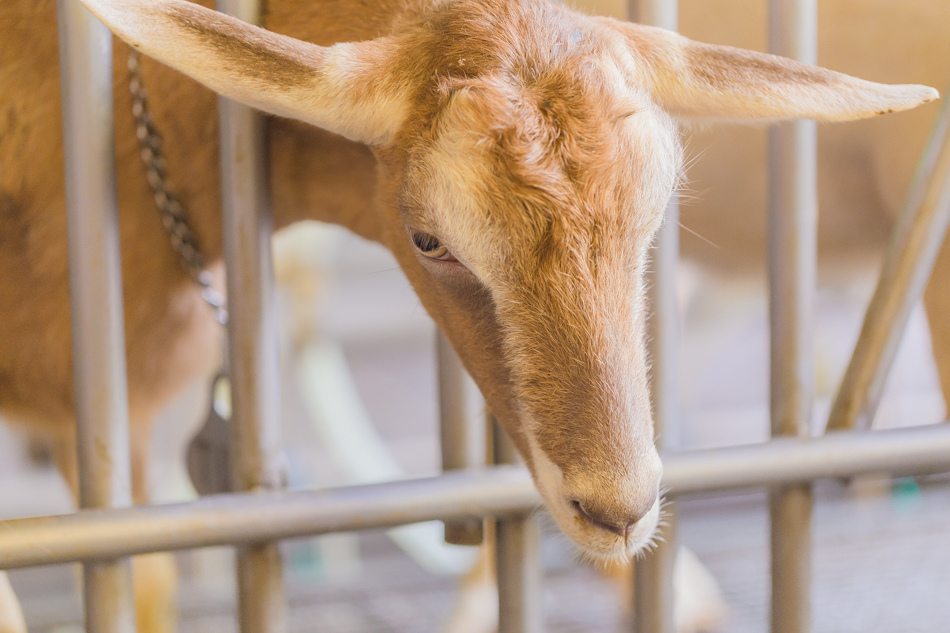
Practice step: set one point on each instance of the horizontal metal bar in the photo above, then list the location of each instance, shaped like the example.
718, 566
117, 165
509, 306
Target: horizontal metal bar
242, 518
789, 460
502, 490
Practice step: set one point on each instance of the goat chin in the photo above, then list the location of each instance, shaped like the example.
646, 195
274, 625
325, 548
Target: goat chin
595, 544
600, 547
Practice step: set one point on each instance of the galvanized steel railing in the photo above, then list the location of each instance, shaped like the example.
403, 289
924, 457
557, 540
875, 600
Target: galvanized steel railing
107, 530
98, 332
254, 365
503, 491
793, 258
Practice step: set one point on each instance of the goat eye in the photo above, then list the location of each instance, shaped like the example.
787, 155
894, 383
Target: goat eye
432, 247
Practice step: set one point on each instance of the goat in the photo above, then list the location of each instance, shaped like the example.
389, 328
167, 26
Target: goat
514, 155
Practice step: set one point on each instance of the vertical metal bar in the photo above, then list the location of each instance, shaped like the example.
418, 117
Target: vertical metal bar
908, 264
462, 430
95, 279
661, 13
520, 607
252, 330
653, 575
653, 582
793, 217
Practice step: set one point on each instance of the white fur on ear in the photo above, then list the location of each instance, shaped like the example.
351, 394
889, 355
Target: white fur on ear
695, 80
348, 88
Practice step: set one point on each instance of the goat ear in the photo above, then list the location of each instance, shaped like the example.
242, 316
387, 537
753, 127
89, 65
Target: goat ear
346, 88
695, 80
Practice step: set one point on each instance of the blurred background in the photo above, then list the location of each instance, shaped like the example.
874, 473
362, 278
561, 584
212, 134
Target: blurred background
358, 355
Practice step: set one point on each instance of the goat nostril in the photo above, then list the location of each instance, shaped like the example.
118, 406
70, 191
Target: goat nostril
598, 521
620, 528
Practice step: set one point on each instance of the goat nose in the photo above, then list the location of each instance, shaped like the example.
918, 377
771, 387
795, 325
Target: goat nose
619, 523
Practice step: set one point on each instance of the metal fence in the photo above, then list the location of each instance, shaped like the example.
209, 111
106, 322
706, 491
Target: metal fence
107, 530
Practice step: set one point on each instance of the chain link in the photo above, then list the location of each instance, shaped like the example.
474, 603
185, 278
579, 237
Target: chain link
174, 215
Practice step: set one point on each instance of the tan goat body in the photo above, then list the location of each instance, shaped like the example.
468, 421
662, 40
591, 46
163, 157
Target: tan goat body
514, 155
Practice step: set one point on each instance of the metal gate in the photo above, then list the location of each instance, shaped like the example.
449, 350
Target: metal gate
107, 530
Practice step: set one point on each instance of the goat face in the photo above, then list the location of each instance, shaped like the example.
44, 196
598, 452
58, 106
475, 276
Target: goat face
525, 213
526, 154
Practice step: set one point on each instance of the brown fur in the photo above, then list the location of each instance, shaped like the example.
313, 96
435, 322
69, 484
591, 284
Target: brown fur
278, 64
720, 67
533, 141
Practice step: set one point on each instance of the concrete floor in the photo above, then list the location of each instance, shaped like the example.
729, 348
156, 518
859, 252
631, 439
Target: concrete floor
881, 550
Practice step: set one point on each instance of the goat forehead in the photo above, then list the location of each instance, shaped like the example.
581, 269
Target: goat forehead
480, 35
499, 165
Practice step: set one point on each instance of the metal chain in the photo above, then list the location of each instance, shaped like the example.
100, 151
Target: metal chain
174, 215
